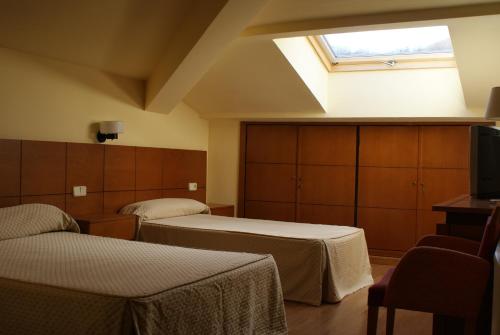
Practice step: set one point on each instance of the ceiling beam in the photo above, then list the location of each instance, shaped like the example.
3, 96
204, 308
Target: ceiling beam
204, 34
373, 19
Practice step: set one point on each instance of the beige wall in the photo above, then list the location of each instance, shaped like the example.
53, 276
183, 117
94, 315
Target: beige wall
43, 99
223, 158
397, 93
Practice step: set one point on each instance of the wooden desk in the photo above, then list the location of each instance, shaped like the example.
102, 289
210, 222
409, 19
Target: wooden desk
465, 216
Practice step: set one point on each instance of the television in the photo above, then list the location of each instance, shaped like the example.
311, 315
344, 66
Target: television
485, 162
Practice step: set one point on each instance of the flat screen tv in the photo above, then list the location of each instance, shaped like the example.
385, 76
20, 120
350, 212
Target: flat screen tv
485, 162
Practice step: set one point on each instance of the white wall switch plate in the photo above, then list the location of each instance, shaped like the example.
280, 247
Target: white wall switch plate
193, 186
79, 191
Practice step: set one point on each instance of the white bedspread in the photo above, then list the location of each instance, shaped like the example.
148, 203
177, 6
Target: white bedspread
259, 227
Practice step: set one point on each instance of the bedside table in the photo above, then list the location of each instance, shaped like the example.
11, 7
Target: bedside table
222, 210
108, 225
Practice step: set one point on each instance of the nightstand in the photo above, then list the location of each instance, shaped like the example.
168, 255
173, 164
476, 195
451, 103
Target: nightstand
222, 210
108, 225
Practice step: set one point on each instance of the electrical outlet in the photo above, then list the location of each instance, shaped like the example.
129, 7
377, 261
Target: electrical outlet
79, 191
193, 187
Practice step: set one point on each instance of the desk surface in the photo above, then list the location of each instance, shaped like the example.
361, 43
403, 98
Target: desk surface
466, 204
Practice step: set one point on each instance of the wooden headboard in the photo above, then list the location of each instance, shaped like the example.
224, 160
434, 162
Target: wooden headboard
45, 172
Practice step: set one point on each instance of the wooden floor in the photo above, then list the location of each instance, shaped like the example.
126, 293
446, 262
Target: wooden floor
349, 316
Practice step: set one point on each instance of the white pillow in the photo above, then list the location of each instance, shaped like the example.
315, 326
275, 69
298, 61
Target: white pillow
165, 208
33, 219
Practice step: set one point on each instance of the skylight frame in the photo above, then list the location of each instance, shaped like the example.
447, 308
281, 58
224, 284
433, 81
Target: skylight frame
408, 61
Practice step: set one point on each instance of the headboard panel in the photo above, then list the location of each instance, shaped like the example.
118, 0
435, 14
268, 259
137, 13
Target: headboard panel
45, 172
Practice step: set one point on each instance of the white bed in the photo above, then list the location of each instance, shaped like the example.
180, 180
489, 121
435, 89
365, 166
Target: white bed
316, 263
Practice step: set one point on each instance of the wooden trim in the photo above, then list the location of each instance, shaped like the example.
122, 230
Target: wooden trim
374, 123
374, 19
403, 62
242, 171
320, 52
374, 65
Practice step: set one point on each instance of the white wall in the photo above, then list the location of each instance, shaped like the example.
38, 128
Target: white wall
44, 99
223, 158
397, 93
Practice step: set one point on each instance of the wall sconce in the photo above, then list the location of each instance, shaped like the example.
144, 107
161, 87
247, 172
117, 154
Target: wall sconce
109, 130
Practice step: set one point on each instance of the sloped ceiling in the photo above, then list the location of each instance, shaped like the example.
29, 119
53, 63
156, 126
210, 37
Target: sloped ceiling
249, 76
252, 77
293, 10
125, 37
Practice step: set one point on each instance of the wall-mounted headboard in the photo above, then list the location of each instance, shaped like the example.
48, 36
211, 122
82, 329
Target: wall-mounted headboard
45, 172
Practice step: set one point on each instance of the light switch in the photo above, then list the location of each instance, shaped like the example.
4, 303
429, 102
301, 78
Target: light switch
193, 186
79, 191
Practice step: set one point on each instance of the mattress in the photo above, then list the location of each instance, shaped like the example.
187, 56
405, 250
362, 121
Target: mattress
316, 263
63, 282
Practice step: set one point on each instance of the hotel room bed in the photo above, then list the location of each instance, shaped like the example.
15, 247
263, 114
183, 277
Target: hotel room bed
66, 283
316, 263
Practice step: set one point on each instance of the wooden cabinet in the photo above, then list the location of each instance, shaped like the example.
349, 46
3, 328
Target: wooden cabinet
388, 185
280, 211
221, 209
108, 225
271, 182
383, 178
326, 174
304, 173
388, 146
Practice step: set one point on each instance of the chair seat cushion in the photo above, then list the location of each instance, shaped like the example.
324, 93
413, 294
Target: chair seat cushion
376, 292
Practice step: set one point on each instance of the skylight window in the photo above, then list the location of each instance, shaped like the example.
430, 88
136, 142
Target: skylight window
390, 48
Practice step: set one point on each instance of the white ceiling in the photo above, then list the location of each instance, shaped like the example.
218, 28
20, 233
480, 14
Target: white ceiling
125, 37
294, 10
252, 77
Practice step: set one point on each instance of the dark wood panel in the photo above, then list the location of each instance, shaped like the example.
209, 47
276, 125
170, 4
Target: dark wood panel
57, 200
114, 201
85, 167
10, 168
331, 215
388, 229
270, 182
91, 204
438, 185
181, 167
388, 187
149, 168
427, 221
148, 195
119, 168
388, 146
199, 194
43, 169
9, 201
327, 145
326, 185
279, 211
271, 144
444, 147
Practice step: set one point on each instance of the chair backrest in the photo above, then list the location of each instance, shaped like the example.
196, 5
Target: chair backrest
490, 236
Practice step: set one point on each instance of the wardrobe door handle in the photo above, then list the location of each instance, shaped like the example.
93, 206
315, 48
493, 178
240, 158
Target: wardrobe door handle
423, 187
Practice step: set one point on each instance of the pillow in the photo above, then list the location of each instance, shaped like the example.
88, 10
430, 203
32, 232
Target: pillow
165, 208
33, 219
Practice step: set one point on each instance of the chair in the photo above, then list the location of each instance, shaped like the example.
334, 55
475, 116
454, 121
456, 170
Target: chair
443, 275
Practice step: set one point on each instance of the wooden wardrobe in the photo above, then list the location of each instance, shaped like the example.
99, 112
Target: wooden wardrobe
382, 178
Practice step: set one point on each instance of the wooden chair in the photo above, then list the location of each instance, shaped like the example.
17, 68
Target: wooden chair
443, 275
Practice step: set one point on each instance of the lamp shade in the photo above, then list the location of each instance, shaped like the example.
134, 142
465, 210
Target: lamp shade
493, 109
111, 127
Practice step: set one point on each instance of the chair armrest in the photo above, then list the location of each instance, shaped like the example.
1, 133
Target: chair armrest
439, 281
450, 242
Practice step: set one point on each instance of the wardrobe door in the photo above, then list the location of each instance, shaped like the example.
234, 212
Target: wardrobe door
443, 171
326, 174
387, 186
270, 175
